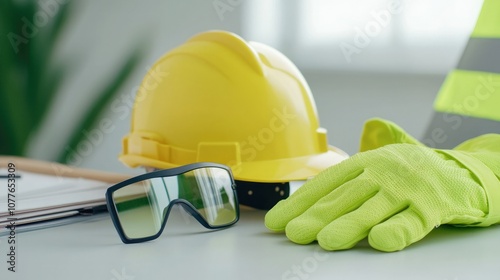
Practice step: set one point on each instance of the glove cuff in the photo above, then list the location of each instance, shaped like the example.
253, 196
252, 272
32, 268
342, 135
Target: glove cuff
487, 180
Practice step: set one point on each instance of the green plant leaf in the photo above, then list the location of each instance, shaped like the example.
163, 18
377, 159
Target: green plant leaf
28, 83
13, 75
98, 106
51, 79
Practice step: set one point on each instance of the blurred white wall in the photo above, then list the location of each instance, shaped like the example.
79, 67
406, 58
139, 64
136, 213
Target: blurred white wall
395, 76
424, 36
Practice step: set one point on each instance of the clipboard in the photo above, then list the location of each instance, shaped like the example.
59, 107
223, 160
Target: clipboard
34, 191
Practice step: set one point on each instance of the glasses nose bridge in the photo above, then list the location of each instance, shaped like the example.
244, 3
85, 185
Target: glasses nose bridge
184, 205
188, 207
165, 215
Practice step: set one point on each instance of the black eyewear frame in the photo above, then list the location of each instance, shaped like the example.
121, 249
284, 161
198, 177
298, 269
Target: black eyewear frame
185, 204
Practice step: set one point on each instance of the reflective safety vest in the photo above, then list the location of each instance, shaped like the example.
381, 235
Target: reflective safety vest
468, 103
473, 89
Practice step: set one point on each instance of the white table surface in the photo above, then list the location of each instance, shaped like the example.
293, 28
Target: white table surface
91, 249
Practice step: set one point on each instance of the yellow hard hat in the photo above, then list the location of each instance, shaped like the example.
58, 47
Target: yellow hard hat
221, 99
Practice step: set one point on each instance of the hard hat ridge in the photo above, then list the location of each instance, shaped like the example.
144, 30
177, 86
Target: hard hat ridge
234, 43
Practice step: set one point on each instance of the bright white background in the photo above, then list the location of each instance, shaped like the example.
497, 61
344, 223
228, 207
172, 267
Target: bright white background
395, 72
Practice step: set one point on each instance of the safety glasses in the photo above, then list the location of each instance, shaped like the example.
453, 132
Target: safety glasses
139, 206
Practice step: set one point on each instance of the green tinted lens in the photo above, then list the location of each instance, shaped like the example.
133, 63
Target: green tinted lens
210, 191
141, 206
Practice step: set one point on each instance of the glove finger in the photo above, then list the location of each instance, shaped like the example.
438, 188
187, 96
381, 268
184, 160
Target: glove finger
325, 182
351, 195
400, 231
349, 229
379, 132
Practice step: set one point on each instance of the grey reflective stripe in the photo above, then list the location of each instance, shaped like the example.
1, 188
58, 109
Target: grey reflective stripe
447, 130
481, 54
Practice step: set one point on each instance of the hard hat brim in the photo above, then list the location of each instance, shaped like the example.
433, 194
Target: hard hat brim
280, 170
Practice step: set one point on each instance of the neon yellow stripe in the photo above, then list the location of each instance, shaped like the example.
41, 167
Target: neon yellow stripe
488, 22
470, 93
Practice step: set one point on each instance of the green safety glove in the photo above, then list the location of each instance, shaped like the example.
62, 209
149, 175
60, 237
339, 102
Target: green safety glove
379, 132
394, 194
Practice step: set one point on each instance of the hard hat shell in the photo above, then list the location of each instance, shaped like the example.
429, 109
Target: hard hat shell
221, 99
